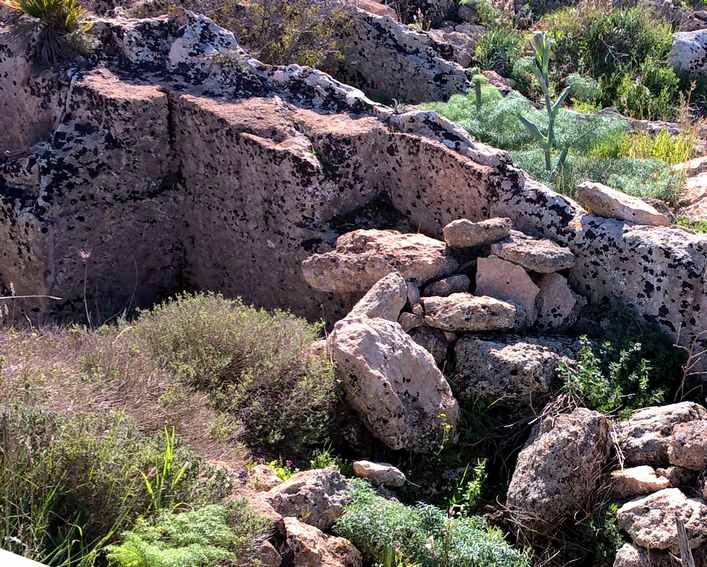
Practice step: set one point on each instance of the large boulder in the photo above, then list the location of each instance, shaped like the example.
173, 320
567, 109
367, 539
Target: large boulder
312, 548
689, 52
537, 255
385, 299
645, 437
650, 521
510, 372
394, 384
558, 469
466, 312
507, 281
316, 497
464, 233
688, 445
363, 257
607, 202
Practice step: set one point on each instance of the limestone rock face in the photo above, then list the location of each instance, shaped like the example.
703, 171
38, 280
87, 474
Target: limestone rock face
379, 473
464, 233
466, 312
645, 437
393, 384
689, 52
636, 481
542, 256
507, 281
558, 469
447, 286
607, 202
362, 257
688, 445
510, 372
433, 341
313, 548
650, 521
385, 299
316, 497
557, 305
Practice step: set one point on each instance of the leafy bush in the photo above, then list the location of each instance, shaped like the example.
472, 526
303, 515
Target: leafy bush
422, 534
652, 93
498, 48
252, 363
583, 89
211, 535
663, 146
698, 226
466, 494
283, 32
69, 484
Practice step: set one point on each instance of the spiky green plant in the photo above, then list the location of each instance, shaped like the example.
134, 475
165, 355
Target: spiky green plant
546, 137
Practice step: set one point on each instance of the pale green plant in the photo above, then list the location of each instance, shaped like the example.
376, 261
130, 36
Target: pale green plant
166, 477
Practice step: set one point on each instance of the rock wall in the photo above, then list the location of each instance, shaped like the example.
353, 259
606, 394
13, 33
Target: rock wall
176, 161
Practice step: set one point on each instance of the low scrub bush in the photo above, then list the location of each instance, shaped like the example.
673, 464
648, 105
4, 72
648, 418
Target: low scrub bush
498, 48
211, 535
422, 534
252, 363
69, 485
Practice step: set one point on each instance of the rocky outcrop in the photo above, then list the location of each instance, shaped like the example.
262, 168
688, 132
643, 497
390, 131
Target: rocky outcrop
645, 437
393, 384
689, 52
316, 497
607, 202
379, 473
464, 233
311, 547
385, 299
558, 469
466, 312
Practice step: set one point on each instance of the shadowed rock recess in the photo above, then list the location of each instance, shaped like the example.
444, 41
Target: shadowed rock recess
174, 160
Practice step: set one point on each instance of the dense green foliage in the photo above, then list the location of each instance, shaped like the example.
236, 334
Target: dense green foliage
68, 485
422, 534
207, 536
497, 124
251, 362
498, 49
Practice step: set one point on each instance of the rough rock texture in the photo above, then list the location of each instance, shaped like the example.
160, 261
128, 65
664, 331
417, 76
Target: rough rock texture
379, 473
268, 555
362, 257
558, 468
678, 476
447, 286
607, 202
688, 445
510, 371
313, 548
466, 312
689, 52
632, 556
409, 321
645, 437
650, 521
385, 299
433, 341
262, 477
389, 60
542, 256
393, 384
504, 280
464, 233
635, 481
316, 497
557, 305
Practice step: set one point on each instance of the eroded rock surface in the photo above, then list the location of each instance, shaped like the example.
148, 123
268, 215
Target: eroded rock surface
635, 481
607, 202
464, 233
379, 473
466, 312
688, 445
313, 548
543, 256
385, 299
509, 282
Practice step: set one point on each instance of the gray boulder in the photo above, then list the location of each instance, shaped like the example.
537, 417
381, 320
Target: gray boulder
689, 52
385, 299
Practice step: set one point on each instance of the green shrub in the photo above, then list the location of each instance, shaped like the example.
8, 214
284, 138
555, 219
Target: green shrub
498, 48
69, 484
211, 535
422, 534
652, 93
252, 363
698, 226
663, 146
466, 494
583, 89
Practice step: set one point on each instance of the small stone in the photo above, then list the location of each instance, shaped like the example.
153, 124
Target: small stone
385, 299
447, 286
409, 321
433, 341
504, 280
312, 548
636, 481
650, 521
413, 294
464, 233
264, 478
688, 445
543, 256
466, 312
379, 473
604, 201
557, 305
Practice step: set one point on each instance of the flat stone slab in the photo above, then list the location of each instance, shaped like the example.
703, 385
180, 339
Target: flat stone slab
636, 481
507, 281
464, 233
536, 255
467, 312
604, 201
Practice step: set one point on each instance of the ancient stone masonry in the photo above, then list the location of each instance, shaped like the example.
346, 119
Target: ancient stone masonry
174, 160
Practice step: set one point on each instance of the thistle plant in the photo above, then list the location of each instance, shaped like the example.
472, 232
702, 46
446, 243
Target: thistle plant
546, 136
